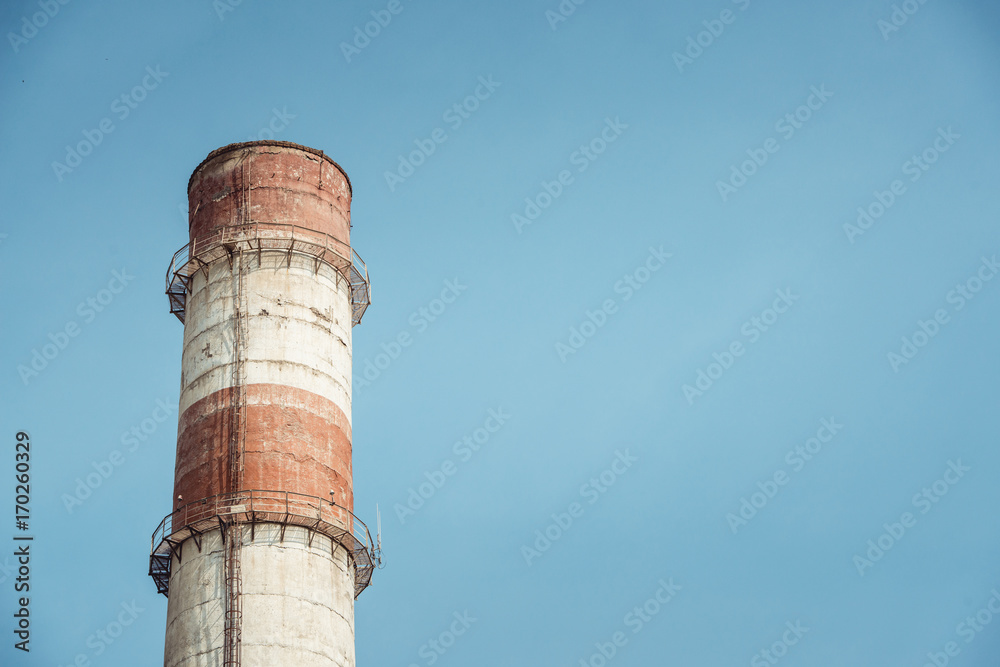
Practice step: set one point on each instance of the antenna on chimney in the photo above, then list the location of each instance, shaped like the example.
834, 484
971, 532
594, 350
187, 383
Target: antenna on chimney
378, 539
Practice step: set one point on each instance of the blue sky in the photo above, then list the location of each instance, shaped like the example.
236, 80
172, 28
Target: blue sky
634, 158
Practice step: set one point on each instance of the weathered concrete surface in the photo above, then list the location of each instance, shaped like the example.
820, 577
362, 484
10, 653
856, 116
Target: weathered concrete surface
298, 602
298, 376
299, 328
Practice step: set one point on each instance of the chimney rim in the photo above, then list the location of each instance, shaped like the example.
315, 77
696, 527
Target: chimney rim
268, 142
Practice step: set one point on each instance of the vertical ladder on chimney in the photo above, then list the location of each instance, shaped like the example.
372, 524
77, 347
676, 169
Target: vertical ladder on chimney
237, 445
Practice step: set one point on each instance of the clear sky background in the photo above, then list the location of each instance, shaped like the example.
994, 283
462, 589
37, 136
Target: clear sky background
801, 558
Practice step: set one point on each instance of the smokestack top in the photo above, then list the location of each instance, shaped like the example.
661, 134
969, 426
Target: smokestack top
275, 184
281, 144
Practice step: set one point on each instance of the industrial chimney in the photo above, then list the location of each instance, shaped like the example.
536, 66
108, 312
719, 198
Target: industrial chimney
262, 556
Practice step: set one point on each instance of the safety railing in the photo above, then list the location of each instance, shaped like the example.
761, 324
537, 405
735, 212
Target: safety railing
261, 236
319, 516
